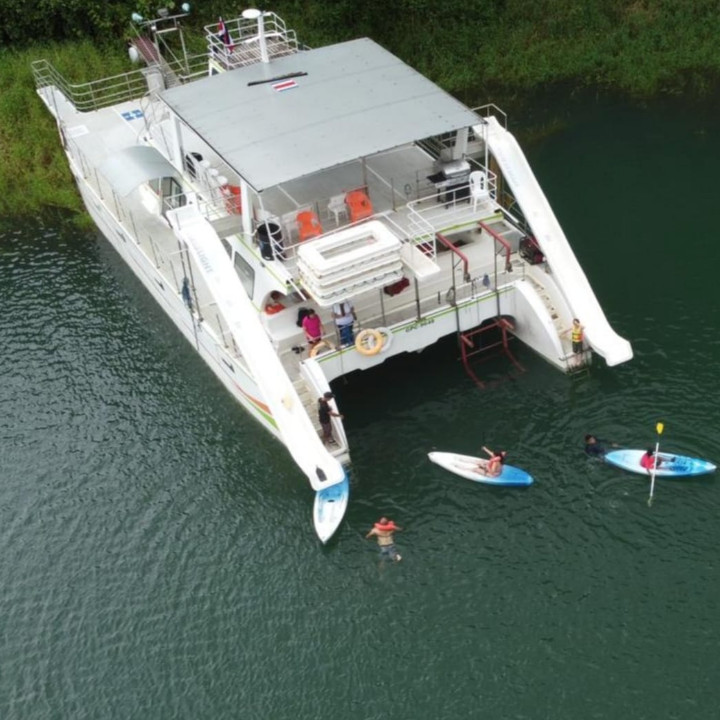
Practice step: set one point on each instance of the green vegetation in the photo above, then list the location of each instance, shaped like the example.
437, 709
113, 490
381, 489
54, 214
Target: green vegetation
480, 50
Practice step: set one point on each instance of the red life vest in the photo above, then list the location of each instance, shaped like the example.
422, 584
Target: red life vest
387, 527
647, 461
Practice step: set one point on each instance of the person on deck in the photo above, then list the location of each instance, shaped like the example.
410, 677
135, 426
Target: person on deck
577, 336
274, 305
383, 530
344, 314
325, 412
493, 466
650, 461
313, 327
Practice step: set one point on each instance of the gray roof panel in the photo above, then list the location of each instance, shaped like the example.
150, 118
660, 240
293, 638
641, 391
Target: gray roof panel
356, 100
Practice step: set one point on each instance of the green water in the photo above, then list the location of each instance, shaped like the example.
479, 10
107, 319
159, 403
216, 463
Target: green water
158, 558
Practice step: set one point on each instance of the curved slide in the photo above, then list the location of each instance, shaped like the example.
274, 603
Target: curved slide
292, 420
566, 270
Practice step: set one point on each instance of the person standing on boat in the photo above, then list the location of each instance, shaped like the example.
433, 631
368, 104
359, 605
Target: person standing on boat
577, 336
344, 314
325, 412
383, 530
493, 466
313, 327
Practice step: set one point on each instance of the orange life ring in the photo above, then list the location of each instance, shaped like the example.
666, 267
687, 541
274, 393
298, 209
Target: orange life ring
317, 348
386, 338
364, 337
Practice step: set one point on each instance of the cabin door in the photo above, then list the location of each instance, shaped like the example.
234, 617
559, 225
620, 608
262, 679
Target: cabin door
172, 195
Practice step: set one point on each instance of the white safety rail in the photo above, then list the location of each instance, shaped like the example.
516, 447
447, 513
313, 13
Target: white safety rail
566, 270
295, 426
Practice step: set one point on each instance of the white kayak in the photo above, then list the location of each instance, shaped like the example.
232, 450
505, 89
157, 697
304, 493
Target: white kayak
329, 508
467, 466
670, 465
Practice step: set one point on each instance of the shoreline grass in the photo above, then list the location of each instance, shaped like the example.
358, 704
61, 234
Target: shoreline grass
633, 50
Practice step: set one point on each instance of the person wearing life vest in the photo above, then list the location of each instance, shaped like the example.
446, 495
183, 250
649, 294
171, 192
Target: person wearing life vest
274, 305
577, 336
493, 466
650, 461
383, 530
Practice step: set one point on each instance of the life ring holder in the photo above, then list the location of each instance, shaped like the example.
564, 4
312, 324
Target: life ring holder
386, 338
320, 346
363, 336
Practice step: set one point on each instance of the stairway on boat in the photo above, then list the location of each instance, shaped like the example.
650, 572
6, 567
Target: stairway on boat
310, 403
565, 340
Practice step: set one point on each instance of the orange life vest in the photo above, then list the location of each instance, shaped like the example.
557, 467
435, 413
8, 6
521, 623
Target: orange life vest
387, 527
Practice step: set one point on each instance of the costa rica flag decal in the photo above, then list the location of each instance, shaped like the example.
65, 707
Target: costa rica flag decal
284, 85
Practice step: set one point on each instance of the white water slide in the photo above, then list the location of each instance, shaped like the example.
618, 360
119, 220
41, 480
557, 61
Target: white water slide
566, 270
296, 428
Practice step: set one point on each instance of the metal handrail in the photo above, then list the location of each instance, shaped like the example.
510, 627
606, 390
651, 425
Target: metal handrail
97, 94
499, 238
453, 248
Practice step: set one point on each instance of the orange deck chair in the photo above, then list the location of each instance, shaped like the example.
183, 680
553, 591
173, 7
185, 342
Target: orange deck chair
308, 225
359, 205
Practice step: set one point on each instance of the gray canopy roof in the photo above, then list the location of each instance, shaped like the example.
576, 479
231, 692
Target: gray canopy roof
134, 165
356, 99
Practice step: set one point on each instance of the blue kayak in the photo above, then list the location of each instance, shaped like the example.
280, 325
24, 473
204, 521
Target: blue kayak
329, 508
467, 466
670, 465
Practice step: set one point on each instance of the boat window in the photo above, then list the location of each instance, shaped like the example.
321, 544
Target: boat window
172, 193
245, 273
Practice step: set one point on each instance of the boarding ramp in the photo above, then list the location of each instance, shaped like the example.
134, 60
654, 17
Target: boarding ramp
566, 270
293, 423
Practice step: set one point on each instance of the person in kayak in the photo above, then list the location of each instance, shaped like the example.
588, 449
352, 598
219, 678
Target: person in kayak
383, 530
493, 466
649, 460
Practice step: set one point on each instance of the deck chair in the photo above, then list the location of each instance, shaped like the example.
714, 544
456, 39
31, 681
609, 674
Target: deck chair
308, 225
479, 191
338, 208
359, 205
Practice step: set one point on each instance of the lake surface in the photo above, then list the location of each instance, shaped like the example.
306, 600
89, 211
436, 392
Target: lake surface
157, 553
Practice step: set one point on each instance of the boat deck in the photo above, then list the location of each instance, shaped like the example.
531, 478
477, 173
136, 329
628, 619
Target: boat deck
402, 196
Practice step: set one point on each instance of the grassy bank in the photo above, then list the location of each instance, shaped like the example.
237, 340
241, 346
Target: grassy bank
34, 173
502, 52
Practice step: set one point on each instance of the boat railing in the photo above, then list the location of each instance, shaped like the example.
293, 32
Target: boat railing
492, 109
420, 309
449, 207
112, 90
241, 43
94, 94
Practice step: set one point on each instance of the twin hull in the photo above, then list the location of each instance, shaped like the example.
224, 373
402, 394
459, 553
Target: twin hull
233, 376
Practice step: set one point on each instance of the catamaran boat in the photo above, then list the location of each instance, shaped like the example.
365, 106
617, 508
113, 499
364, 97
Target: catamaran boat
267, 179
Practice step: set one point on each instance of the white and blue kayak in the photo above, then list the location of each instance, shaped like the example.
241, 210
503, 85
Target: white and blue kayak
329, 508
670, 466
467, 466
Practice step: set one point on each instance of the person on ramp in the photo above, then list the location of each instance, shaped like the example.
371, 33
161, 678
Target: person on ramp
383, 530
